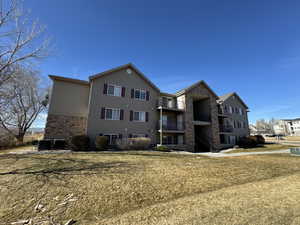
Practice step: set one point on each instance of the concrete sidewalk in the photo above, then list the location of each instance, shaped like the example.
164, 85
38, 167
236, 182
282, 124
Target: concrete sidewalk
221, 154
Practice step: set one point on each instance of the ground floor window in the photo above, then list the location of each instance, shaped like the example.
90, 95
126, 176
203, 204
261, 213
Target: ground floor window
112, 138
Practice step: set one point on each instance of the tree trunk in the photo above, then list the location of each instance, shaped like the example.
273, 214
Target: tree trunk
20, 138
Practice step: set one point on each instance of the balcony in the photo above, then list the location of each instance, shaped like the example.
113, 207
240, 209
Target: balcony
171, 127
226, 129
222, 112
169, 104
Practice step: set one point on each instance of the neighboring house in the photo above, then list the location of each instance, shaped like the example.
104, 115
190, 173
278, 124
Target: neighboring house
288, 127
233, 119
123, 103
253, 130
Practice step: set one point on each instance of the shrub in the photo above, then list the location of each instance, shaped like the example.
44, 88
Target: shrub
247, 142
260, 139
139, 143
123, 144
80, 143
162, 148
35, 142
59, 144
44, 145
101, 142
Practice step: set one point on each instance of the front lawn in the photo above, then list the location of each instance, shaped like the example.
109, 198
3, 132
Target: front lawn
263, 148
149, 188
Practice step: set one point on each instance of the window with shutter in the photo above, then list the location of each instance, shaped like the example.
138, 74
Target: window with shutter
123, 91
105, 89
112, 114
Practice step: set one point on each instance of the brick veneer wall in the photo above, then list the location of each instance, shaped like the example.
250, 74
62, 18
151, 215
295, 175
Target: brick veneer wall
59, 126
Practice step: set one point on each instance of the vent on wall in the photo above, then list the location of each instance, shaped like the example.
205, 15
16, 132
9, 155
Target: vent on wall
129, 71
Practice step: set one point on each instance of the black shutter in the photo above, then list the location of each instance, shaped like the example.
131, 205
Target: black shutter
102, 113
105, 89
132, 93
147, 95
147, 116
121, 114
123, 91
131, 115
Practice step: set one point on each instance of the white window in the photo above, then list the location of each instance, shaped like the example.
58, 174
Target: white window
230, 109
139, 116
112, 114
114, 90
140, 94
112, 138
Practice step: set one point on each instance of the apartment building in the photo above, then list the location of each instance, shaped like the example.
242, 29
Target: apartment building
124, 103
289, 127
233, 119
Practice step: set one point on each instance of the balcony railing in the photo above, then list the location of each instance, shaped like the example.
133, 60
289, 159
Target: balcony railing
172, 126
172, 105
226, 128
222, 111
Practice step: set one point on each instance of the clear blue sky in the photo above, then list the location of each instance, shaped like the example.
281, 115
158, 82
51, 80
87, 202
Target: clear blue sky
251, 47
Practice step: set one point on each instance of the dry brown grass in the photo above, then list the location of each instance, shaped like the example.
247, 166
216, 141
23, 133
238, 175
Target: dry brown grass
266, 147
292, 138
149, 188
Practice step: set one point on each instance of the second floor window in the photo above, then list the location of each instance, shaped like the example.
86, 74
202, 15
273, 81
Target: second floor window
112, 114
139, 116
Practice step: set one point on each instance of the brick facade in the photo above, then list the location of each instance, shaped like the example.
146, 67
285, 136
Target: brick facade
213, 134
64, 127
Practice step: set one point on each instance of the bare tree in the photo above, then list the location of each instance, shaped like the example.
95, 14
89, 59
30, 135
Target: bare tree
21, 102
21, 41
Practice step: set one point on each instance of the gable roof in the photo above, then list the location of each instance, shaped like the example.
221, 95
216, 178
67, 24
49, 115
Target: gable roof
187, 89
71, 80
227, 96
129, 65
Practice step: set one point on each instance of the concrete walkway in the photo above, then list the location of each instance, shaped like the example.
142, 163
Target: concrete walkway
222, 154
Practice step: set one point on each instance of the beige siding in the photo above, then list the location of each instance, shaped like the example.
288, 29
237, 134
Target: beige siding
69, 99
96, 125
234, 102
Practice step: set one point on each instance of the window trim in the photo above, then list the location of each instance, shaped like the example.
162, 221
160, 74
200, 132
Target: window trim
141, 90
114, 85
112, 113
134, 120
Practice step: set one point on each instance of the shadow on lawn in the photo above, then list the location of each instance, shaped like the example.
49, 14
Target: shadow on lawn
63, 166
